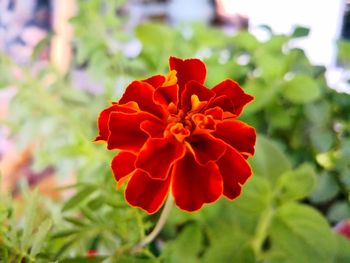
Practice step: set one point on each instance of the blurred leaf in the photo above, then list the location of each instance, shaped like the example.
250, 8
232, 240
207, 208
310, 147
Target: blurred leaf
344, 52
186, 246
343, 249
78, 198
339, 211
301, 89
95, 259
301, 234
300, 31
326, 188
39, 237
297, 184
269, 160
246, 41
29, 220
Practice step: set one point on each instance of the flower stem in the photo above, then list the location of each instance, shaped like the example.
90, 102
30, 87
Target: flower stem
159, 226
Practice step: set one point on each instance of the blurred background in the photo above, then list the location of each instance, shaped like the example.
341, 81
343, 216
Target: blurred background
62, 61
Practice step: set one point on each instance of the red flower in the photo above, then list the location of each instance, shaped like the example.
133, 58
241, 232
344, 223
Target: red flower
174, 134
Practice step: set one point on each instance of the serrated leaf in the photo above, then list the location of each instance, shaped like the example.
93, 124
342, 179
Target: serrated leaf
269, 160
301, 89
186, 246
39, 237
297, 184
299, 233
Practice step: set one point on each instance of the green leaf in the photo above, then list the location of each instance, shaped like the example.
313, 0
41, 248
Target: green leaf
78, 198
186, 246
269, 160
326, 188
301, 89
339, 211
300, 31
301, 234
297, 184
344, 52
40, 236
96, 259
231, 248
343, 249
29, 218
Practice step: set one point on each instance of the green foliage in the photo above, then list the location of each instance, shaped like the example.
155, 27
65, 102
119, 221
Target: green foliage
301, 166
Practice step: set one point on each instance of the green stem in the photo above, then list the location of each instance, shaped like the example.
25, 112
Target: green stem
262, 230
159, 226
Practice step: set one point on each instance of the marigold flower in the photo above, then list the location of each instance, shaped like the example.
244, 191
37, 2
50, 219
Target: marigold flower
176, 135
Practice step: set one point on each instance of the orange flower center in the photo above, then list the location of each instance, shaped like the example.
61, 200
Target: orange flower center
181, 124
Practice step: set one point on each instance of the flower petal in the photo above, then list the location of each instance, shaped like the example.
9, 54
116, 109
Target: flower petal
154, 129
142, 93
155, 81
238, 134
166, 95
104, 118
123, 164
194, 88
235, 171
147, 193
194, 185
225, 104
157, 156
125, 132
188, 69
206, 148
236, 94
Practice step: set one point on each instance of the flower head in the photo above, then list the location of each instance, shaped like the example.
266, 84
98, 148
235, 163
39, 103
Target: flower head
176, 135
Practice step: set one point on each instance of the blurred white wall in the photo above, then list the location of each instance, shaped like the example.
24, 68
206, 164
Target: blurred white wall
323, 17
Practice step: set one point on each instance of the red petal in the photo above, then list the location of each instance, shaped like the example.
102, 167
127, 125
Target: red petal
125, 132
166, 95
232, 90
234, 170
142, 93
194, 185
155, 81
104, 118
157, 156
146, 193
238, 134
123, 164
216, 112
194, 88
189, 69
224, 103
206, 148
153, 129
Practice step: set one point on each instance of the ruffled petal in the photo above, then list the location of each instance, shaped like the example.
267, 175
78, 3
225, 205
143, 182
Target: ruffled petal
216, 112
125, 131
123, 164
225, 104
155, 81
235, 171
236, 94
166, 95
104, 118
142, 93
146, 193
188, 69
206, 148
157, 156
238, 134
154, 129
194, 88
194, 185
